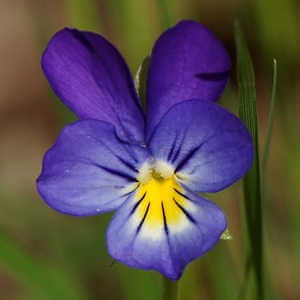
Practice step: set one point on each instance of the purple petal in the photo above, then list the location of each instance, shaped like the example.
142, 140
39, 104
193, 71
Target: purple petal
187, 62
88, 170
166, 248
89, 75
209, 147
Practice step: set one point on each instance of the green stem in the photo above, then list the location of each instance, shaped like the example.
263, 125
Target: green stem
170, 289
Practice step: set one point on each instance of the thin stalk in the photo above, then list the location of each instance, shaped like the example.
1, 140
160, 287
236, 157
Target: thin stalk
170, 289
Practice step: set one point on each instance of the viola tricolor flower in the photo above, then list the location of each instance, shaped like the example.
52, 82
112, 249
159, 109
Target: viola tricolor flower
149, 168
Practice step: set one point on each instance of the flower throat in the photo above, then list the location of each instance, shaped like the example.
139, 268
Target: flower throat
160, 199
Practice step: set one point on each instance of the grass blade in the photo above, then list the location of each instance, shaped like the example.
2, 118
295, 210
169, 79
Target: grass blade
252, 181
270, 122
268, 289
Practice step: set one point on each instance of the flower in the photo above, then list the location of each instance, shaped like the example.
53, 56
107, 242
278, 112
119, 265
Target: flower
148, 168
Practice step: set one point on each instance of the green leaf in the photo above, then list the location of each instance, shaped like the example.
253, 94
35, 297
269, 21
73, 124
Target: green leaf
252, 181
140, 80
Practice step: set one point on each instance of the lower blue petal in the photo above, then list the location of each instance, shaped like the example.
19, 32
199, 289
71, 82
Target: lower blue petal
167, 248
89, 170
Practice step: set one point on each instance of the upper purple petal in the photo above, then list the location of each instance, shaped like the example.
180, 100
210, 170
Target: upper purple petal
92, 79
208, 147
88, 169
187, 62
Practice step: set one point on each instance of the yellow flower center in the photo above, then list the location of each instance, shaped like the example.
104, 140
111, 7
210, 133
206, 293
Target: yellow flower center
160, 200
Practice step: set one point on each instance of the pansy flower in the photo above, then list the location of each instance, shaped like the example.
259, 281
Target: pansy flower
149, 167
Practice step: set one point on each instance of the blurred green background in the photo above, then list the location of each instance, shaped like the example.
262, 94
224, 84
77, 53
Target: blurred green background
47, 255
